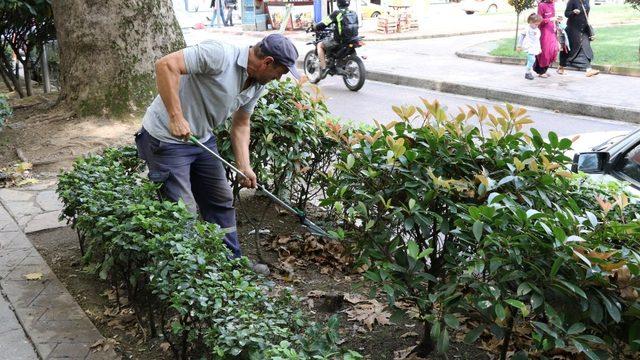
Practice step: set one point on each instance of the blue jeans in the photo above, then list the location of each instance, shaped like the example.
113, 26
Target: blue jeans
531, 59
217, 12
189, 173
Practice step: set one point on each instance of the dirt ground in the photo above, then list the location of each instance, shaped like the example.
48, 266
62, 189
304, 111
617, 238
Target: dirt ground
50, 137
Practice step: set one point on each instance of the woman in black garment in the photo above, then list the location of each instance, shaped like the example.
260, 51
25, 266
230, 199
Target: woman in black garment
581, 54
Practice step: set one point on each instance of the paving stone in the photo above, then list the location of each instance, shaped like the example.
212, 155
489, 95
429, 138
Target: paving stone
70, 350
9, 195
23, 211
42, 185
20, 272
48, 201
48, 220
63, 331
6, 221
12, 257
14, 240
22, 293
44, 349
14, 344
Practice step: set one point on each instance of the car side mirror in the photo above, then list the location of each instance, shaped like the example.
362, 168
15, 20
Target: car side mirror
590, 162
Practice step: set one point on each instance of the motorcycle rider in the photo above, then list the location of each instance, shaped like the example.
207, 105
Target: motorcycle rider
340, 35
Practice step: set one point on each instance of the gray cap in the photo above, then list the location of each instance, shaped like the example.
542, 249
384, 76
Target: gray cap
282, 50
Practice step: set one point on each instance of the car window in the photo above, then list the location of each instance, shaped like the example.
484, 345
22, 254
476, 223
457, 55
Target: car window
630, 163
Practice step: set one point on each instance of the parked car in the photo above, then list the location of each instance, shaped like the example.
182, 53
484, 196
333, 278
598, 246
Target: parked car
480, 6
370, 10
617, 159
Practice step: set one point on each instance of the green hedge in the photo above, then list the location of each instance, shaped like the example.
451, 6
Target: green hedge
468, 216
5, 110
176, 270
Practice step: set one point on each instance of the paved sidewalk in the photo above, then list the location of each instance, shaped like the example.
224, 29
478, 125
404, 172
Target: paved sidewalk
39, 319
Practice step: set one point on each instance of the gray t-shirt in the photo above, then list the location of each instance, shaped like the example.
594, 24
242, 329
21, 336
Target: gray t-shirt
210, 91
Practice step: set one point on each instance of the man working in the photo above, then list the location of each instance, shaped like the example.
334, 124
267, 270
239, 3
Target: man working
199, 88
345, 24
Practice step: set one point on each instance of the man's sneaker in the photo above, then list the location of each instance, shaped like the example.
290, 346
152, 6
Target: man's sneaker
260, 269
528, 76
324, 72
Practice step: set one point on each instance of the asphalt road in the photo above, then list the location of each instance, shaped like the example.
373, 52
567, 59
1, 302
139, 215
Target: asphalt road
375, 99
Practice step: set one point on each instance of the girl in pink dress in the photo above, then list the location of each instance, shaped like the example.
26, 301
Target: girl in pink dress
548, 38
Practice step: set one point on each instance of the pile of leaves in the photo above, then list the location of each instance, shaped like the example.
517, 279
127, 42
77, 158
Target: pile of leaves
17, 175
176, 271
465, 215
298, 251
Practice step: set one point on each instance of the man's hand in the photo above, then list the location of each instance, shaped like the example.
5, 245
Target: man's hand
250, 181
518, 49
179, 127
576, 11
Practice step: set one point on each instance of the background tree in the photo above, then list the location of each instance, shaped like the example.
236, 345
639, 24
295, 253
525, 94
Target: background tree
25, 26
520, 6
108, 49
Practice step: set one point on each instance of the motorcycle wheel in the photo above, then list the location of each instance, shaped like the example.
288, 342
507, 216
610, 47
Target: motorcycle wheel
354, 73
312, 67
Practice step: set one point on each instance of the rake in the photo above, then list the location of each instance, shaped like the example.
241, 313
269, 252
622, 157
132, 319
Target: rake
313, 228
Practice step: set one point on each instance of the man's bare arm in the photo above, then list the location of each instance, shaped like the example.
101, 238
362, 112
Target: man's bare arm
168, 71
240, 137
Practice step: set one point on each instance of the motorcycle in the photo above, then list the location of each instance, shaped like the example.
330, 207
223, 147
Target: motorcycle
342, 61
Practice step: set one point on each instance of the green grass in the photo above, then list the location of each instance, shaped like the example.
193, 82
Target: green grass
616, 46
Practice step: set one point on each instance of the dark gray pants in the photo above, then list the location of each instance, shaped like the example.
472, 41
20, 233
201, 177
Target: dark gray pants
189, 173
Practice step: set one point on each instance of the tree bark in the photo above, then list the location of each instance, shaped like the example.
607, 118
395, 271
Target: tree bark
14, 78
108, 50
5, 78
27, 74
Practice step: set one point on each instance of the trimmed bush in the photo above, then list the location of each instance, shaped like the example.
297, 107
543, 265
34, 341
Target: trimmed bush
466, 215
176, 270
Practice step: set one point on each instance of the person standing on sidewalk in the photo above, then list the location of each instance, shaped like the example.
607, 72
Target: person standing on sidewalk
199, 88
230, 5
581, 54
548, 38
530, 42
218, 14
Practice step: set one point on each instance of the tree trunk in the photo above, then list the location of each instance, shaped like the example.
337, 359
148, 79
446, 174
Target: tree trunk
515, 45
108, 50
426, 345
27, 74
7, 69
5, 78
44, 62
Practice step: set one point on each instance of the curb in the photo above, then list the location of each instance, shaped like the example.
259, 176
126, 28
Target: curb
605, 69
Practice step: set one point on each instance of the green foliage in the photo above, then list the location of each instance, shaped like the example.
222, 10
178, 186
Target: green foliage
634, 3
522, 5
25, 26
176, 269
456, 212
288, 150
5, 110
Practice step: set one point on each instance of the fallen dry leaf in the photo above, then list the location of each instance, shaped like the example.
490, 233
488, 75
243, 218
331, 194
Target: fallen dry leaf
409, 334
103, 345
316, 293
34, 276
354, 298
165, 346
369, 313
402, 354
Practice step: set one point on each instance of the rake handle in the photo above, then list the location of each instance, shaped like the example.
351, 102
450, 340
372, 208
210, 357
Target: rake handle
299, 213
